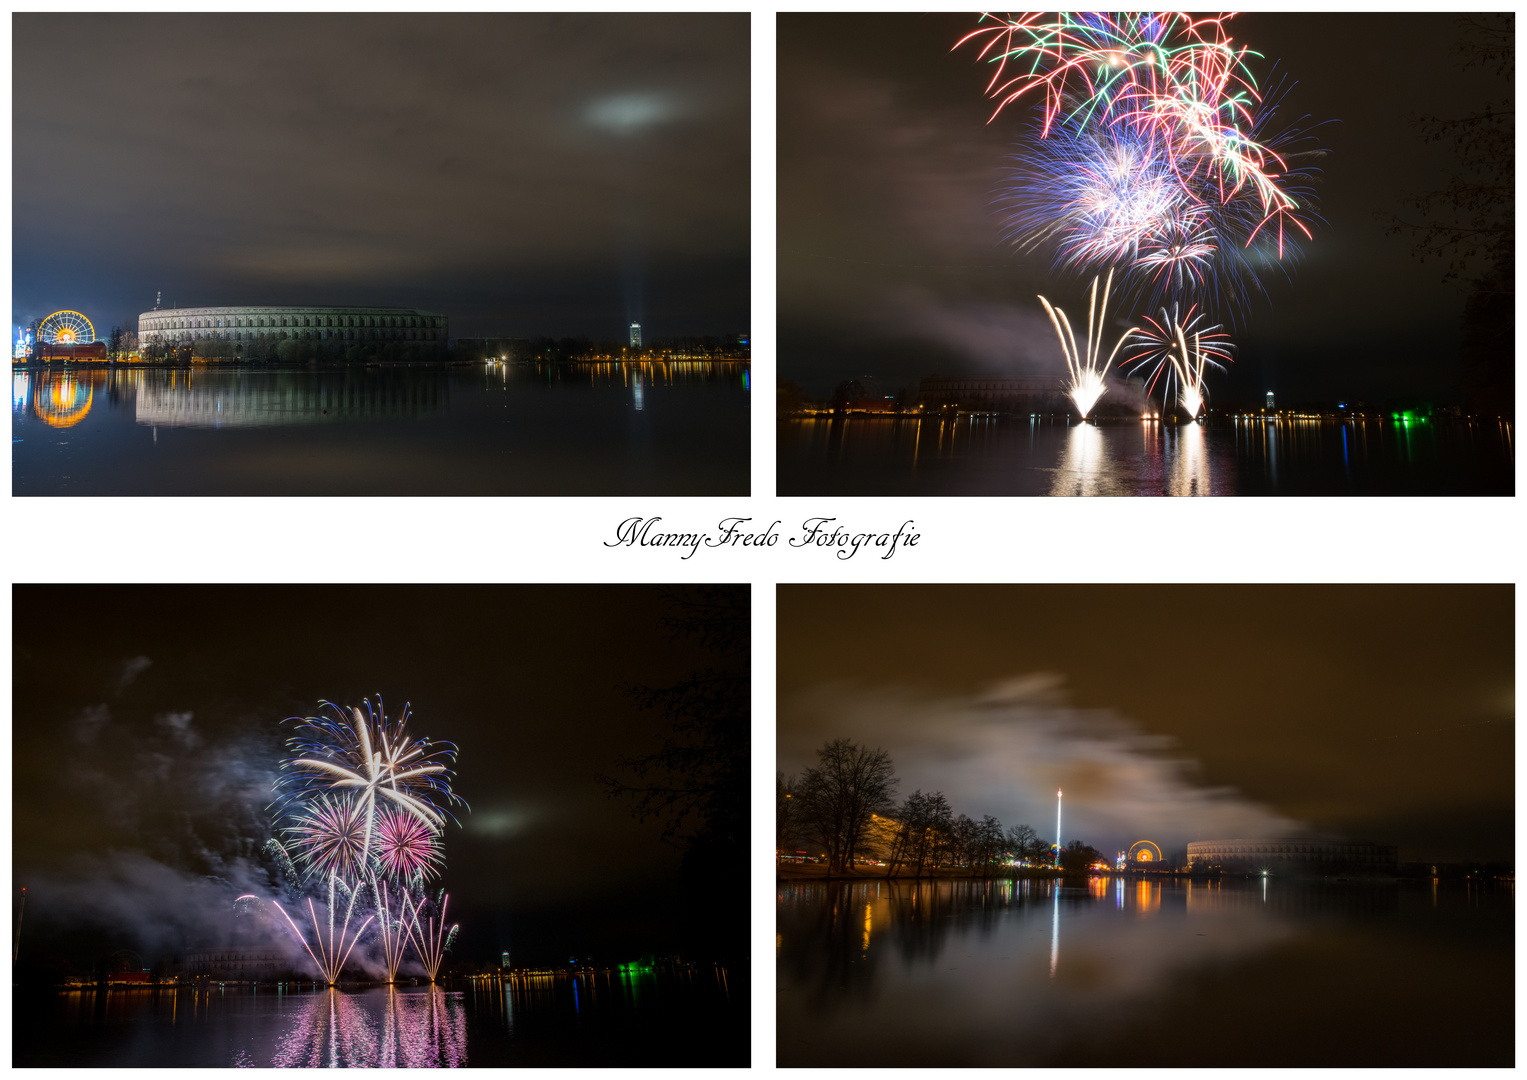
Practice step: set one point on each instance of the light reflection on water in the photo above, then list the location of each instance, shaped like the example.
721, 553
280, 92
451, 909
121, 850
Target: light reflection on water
1040, 455
672, 1015
1118, 972
674, 427
414, 1030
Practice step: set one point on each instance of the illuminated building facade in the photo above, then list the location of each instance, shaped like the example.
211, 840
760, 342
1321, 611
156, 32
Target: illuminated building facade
636, 335
47, 351
1292, 856
341, 326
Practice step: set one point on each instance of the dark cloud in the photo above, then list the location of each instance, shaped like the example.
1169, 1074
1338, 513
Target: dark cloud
131, 669
1375, 712
1007, 750
524, 174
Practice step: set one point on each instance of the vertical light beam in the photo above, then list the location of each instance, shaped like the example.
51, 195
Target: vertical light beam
1057, 827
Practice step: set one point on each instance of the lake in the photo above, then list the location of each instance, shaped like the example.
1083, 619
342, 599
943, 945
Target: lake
1050, 456
643, 1017
671, 428
1154, 973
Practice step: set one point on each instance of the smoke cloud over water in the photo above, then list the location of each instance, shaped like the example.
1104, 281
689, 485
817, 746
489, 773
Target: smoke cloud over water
163, 825
1007, 751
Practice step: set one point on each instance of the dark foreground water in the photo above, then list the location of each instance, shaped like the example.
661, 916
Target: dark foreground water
1038, 456
1145, 973
566, 429
641, 1019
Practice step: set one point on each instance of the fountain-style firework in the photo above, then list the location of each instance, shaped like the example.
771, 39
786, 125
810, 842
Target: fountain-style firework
1086, 377
431, 939
331, 951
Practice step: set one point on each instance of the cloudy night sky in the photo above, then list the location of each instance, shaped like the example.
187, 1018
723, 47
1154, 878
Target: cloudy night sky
525, 175
148, 729
1173, 713
892, 262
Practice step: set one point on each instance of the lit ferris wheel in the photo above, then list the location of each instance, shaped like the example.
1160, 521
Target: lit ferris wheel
66, 328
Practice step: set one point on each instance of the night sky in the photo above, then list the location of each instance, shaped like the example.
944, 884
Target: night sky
523, 174
148, 729
891, 261
1173, 713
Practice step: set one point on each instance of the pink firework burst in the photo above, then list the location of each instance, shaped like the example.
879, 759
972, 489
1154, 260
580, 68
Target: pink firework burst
406, 846
330, 838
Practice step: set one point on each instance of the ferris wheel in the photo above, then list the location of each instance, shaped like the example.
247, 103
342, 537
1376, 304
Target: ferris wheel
66, 328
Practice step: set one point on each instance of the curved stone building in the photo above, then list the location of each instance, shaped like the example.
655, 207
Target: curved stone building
327, 324
1292, 855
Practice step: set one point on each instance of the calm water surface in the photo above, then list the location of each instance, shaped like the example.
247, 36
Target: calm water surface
1163, 973
650, 1019
1038, 456
676, 428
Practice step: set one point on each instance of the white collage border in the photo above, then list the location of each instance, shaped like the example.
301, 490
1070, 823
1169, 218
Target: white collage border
555, 540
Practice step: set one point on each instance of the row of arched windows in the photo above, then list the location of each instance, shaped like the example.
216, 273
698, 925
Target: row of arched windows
323, 335
296, 321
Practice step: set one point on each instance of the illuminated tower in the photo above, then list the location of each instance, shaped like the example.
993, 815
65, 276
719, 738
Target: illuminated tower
636, 335
1270, 406
1057, 827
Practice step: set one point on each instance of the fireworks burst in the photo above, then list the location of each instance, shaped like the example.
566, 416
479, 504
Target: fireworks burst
1151, 155
368, 804
330, 838
1086, 377
1164, 350
371, 757
406, 848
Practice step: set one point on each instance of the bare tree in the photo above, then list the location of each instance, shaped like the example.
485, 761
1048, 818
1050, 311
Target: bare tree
697, 777
925, 820
1024, 843
988, 843
840, 794
1470, 221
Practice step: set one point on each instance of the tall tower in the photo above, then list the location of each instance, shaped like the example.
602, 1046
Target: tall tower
1057, 827
636, 335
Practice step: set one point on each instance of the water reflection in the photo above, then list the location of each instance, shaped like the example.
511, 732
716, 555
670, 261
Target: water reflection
664, 427
1188, 461
1011, 967
1085, 464
1044, 455
217, 399
337, 1030
61, 399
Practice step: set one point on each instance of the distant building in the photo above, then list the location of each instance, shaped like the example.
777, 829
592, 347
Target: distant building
339, 326
636, 335
230, 962
1293, 855
91, 350
979, 393
1270, 406
503, 960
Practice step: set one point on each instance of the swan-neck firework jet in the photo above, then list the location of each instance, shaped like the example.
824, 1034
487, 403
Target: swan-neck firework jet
1086, 377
